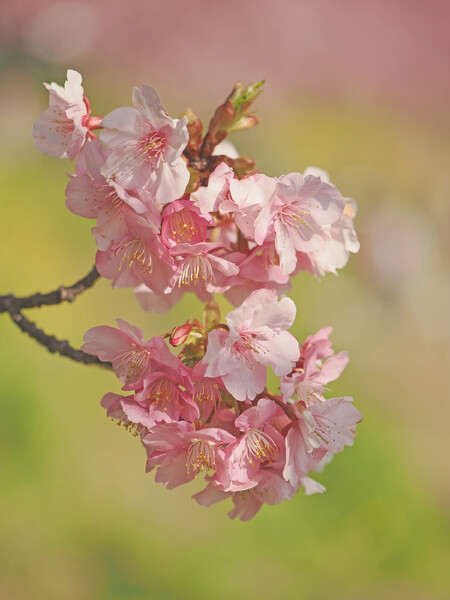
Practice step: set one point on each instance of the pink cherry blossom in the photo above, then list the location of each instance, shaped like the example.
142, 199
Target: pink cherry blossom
125, 347
210, 197
324, 427
198, 266
260, 445
146, 147
308, 380
181, 452
182, 222
92, 196
296, 216
62, 129
257, 338
167, 391
139, 257
271, 489
336, 242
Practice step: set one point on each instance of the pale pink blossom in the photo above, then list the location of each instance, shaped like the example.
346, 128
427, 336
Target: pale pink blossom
210, 197
257, 269
62, 129
257, 338
92, 196
317, 366
206, 393
336, 242
296, 216
324, 427
146, 147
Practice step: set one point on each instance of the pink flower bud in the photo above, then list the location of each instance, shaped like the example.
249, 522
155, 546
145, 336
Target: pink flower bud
179, 334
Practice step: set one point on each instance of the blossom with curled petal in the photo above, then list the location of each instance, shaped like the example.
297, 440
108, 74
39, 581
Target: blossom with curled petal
146, 147
62, 129
317, 366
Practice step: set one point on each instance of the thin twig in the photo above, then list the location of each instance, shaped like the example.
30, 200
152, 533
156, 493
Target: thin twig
52, 344
62, 294
14, 305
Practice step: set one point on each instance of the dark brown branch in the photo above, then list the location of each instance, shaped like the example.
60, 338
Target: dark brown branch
14, 305
11, 303
52, 344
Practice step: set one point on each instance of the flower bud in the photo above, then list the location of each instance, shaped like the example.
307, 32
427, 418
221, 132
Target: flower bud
180, 334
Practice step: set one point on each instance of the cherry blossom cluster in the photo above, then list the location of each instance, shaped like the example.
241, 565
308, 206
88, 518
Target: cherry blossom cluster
208, 409
177, 210
170, 221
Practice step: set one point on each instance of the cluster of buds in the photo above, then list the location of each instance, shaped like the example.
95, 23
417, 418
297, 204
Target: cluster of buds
177, 210
208, 409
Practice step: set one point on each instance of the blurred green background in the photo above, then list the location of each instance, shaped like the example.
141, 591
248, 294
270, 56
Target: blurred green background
79, 518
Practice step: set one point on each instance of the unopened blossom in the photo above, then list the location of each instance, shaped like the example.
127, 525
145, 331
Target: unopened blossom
257, 338
146, 147
62, 129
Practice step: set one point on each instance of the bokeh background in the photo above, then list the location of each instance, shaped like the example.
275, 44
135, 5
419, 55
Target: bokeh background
357, 87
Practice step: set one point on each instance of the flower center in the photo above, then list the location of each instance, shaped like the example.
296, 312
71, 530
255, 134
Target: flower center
152, 146
296, 220
260, 446
161, 392
307, 392
196, 268
182, 227
133, 363
136, 251
61, 124
247, 344
200, 456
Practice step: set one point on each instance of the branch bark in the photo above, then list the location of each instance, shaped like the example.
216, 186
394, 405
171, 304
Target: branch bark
14, 305
62, 294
